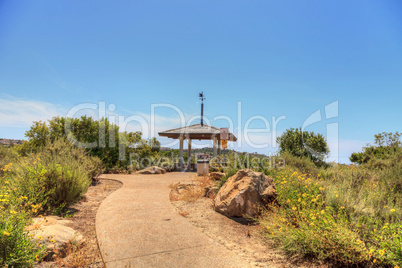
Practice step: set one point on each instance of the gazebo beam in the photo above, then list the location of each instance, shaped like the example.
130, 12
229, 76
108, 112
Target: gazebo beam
189, 156
215, 141
181, 153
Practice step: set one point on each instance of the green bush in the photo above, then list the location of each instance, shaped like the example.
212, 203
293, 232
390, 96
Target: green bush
381, 155
55, 177
16, 247
303, 144
100, 138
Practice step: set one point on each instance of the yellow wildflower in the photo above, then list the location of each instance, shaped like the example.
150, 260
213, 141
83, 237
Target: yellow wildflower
6, 233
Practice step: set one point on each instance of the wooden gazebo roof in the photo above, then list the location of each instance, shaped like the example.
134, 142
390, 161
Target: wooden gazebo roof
196, 132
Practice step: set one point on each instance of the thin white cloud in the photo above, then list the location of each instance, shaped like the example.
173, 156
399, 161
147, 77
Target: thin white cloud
16, 112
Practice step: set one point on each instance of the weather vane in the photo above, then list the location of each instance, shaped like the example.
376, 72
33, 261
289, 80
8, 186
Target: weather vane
202, 107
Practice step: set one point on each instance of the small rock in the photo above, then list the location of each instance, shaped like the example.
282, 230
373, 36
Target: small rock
210, 191
217, 175
152, 170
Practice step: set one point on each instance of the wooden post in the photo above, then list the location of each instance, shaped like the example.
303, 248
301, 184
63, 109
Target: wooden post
189, 156
219, 146
215, 143
181, 154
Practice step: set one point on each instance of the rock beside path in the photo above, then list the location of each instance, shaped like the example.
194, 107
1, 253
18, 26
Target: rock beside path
244, 193
152, 170
52, 232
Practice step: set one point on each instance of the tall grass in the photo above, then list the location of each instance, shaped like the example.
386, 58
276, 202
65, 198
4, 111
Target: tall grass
349, 215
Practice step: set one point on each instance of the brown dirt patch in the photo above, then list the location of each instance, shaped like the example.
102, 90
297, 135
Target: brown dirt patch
83, 221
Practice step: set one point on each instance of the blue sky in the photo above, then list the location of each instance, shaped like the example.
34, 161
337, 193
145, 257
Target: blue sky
278, 58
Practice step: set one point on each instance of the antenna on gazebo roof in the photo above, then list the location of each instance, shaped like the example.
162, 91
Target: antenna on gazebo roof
202, 108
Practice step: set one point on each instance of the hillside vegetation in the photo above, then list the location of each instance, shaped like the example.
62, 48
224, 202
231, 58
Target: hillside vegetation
340, 214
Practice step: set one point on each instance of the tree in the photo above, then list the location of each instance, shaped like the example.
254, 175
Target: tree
303, 144
386, 146
99, 137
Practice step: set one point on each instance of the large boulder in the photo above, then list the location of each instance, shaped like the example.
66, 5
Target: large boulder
152, 170
244, 193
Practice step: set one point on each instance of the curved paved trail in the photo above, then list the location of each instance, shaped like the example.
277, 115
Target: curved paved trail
137, 226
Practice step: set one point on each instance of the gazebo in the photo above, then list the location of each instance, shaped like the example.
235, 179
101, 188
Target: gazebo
196, 132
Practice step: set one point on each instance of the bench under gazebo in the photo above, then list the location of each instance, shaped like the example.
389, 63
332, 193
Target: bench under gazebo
197, 132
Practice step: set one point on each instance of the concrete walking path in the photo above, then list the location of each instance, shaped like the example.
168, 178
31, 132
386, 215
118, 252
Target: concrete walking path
137, 226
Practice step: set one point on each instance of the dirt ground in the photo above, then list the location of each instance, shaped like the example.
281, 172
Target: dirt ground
242, 236
83, 220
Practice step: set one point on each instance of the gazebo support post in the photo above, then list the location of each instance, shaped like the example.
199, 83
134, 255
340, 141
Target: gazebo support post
219, 147
214, 146
181, 153
189, 156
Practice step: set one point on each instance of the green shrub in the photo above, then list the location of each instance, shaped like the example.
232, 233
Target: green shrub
45, 182
55, 177
303, 144
387, 147
16, 247
101, 138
